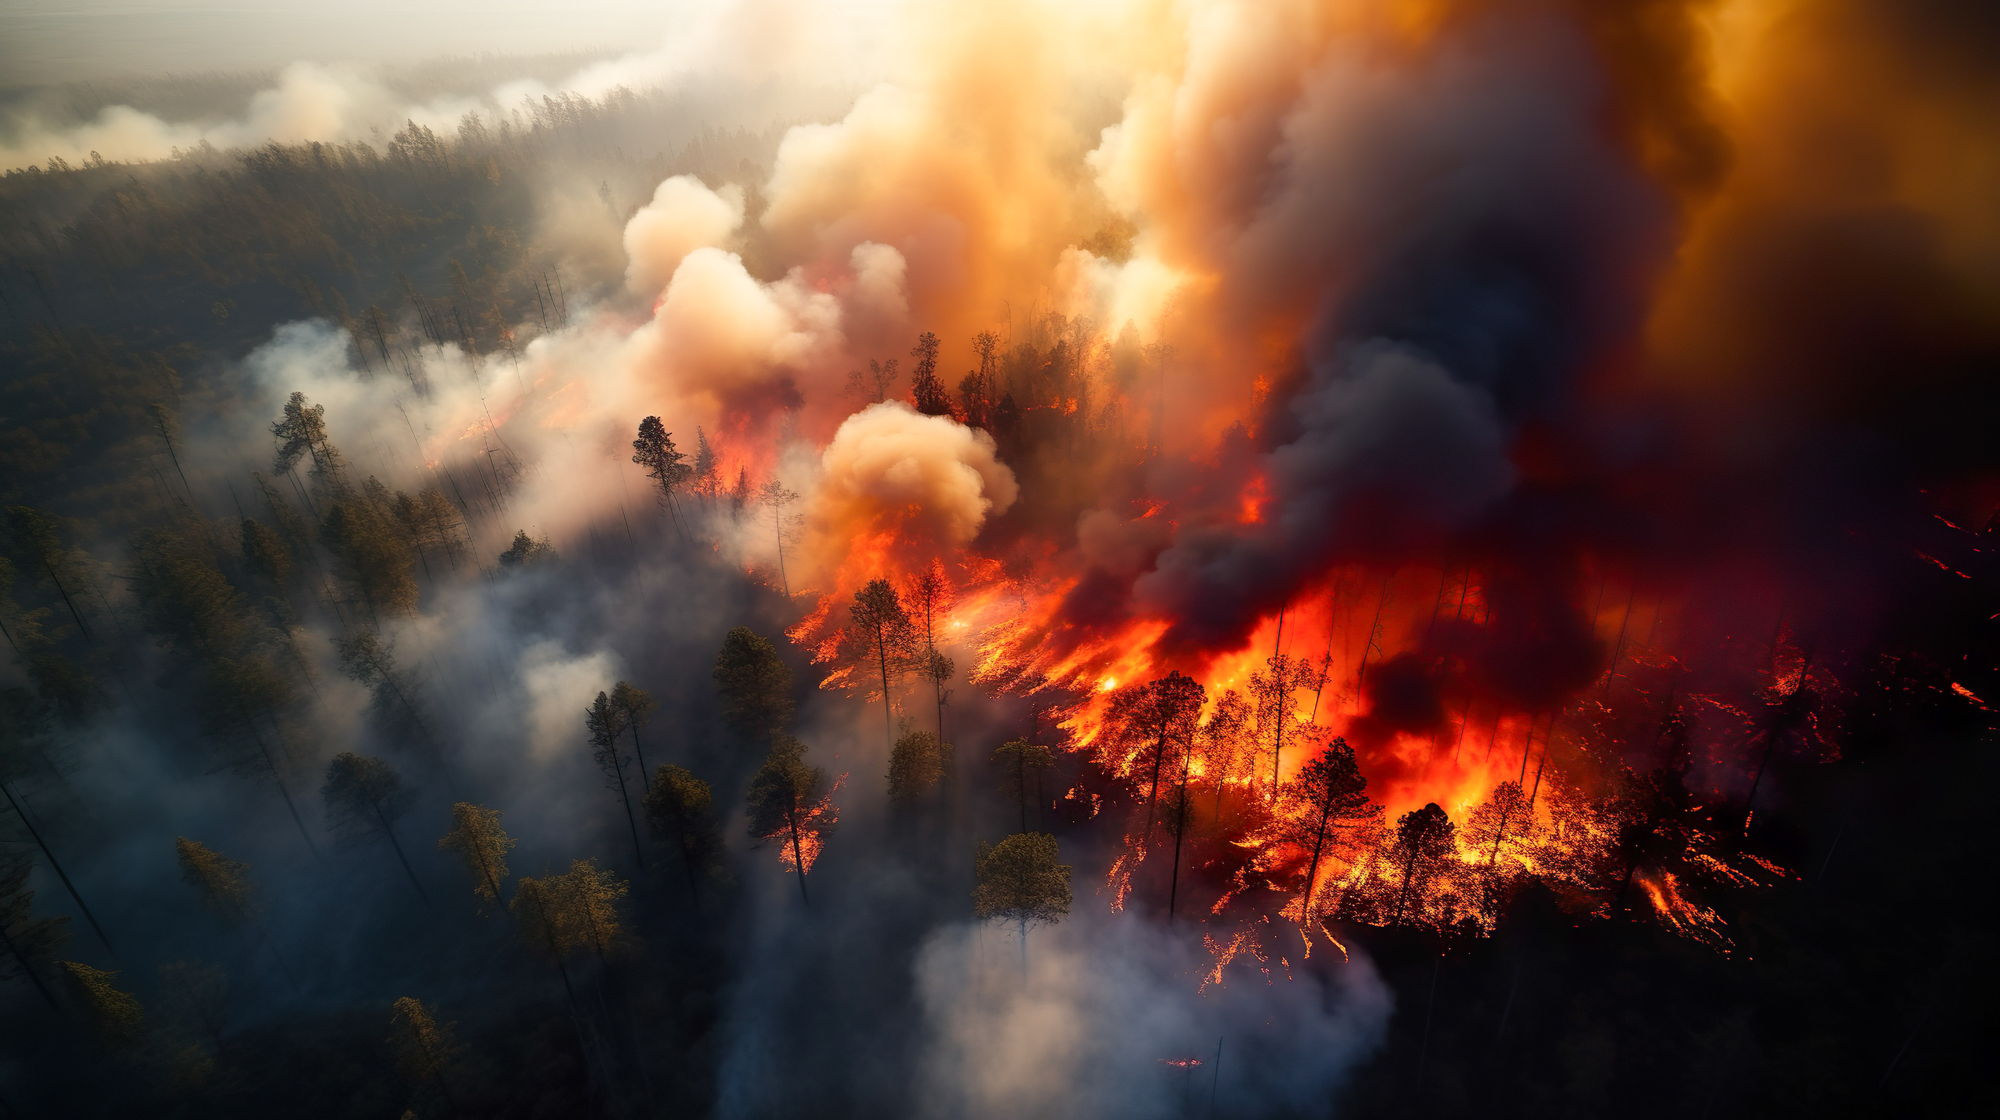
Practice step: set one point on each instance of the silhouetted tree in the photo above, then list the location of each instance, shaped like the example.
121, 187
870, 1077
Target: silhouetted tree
601, 720
775, 498
364, 796
788, 803
477, 837
1320, 809
930, 597
30, 942
705, 482
364, 538
527, 552
656, 454
755, 684
1423, 842
34, 539
633, 706
927, 389
878, 640
680, 807
1504, 815
1148, 726
398, 701
301, 433
1275, 690
1019, 760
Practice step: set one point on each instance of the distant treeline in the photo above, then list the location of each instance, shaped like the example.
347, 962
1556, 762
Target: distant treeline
119, 281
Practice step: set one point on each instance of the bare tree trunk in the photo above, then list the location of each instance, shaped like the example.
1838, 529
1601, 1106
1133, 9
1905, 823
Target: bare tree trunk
389, 831
35, 833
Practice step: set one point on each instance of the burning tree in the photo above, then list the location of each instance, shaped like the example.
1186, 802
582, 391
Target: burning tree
1323, 812
1422, 847
1275, 692
1149, 728
1505, 817
878, 642
930, 597
789, 802
928, 393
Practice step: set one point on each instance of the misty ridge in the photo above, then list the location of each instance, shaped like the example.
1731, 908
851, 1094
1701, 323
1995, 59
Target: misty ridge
1005, 561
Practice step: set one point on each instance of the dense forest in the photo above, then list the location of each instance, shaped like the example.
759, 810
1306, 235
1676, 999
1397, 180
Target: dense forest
379, 740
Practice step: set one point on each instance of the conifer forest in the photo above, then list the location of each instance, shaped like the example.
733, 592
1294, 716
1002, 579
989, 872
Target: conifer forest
1133, 560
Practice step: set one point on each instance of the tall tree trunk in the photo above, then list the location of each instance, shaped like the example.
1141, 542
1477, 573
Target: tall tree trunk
36, 835
389, 831
28, 967
1312, 869
645, 782
625, 796
888, 709
798, 856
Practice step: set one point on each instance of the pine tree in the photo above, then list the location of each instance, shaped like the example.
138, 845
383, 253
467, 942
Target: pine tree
527, 552
1020, 881
1148, 728
877, 642
755, 685
739, 494
681, 808
1321, 808
223, 884
601, 721
364, 796
424, 1047
917, 764
301, 433
788, 803
477, 837
775, 498
113, 1013
655, 453
1018, 760
398, 699
927, 389
30, 942
633, 706
930, 596
706, 484
369, 554
1424, 840
1275, 691
225, 890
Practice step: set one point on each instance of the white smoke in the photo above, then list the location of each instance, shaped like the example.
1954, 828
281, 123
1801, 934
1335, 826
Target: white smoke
1083, 1019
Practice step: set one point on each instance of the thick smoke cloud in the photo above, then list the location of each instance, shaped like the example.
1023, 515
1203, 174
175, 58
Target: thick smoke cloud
896, 479
1083, 1019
